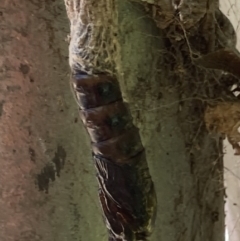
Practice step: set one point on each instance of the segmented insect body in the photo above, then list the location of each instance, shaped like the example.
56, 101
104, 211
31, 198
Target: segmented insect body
126, 190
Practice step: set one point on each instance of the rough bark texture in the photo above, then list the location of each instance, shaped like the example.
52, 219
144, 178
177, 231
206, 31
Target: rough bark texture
48, 189
154, 96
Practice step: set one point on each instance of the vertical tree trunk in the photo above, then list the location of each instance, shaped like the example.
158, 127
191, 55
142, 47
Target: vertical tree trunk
48, 189
166, 102
167, 97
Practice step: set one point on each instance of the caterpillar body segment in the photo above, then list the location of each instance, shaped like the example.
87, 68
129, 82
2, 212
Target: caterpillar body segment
96, 90
128, 198
106, 122
126, 190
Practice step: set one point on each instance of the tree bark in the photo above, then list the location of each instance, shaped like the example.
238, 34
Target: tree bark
48, 189
178, 100
185, 162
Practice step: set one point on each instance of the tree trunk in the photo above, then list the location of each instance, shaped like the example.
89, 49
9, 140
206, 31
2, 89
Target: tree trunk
48, 187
